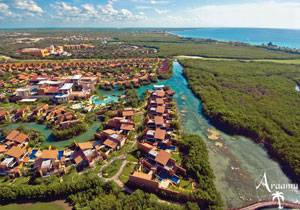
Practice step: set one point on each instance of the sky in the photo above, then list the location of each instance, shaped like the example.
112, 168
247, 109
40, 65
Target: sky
150, 13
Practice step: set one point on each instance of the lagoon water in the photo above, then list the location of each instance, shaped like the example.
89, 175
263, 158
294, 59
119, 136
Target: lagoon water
239, 164
281, 37
47, 133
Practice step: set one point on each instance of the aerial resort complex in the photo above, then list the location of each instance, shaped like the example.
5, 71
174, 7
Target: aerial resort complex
149, 118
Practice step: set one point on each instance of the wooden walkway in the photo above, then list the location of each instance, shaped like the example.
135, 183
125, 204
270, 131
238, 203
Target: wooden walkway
264, 204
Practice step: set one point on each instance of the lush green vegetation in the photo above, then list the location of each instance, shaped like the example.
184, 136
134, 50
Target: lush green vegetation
169, 45
36, 137
112, 169
129, 168
110, 197
33, 206
256, 99
83, 191
195, 160
120, 45
62, 134
10, 193
132, 98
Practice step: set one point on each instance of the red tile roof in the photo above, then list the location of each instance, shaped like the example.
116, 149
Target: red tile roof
160, 93
49, 154
127, 113
85, 145
160, 134
16, 152
159, 120
110, 143
163, 157
2, 148
160, 109
21, 138
12, 135
127, 127
159, 101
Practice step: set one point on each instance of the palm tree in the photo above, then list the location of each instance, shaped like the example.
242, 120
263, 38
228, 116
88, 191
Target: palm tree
279, 197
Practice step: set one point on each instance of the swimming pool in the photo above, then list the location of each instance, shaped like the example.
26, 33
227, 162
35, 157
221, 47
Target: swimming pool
32, 156
60, 154
107, 100
164, 175
165, 147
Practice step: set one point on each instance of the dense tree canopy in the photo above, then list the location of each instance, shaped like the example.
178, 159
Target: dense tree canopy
256, 99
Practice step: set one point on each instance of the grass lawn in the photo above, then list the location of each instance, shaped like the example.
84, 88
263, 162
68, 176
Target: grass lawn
138, 119
176, 156
129, 168
35, 206
132, 156
184, 186
123, 150
112, 169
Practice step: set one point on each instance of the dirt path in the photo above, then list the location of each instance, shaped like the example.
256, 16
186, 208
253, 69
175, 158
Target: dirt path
115, 178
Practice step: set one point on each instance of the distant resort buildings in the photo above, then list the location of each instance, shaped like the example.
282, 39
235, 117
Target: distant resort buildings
54, 50
53, 80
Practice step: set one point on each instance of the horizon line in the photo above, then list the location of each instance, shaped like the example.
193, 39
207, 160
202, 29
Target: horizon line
140, 27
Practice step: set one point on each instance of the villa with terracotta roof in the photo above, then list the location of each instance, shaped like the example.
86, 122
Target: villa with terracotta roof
119, 123
12, 160
84, 155
157, 167
16, 138
48, 162
3, 115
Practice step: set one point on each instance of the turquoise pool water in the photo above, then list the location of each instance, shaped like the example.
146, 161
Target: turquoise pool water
107, 100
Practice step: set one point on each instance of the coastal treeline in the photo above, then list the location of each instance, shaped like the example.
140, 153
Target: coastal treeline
256, 99
88, 192
195, 160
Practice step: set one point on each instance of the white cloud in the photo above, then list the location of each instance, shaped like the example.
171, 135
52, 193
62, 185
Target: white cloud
4, 9
156, 13
161, 11
159, 2
93, 13
89, 9
65, 8
261, 14
270, 14
29, 6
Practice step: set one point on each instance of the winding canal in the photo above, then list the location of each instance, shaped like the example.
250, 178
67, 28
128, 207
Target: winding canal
238, 162
47, 133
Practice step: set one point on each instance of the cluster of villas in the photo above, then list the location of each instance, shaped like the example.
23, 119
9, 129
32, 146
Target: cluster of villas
157, 168
116, 132
59, 67
52, 79
54, 50
15, 155
58, 89
55, 116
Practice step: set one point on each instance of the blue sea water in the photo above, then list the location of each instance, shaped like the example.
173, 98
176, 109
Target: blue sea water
281, 37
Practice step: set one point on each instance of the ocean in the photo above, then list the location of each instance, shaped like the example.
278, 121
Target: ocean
255, 36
